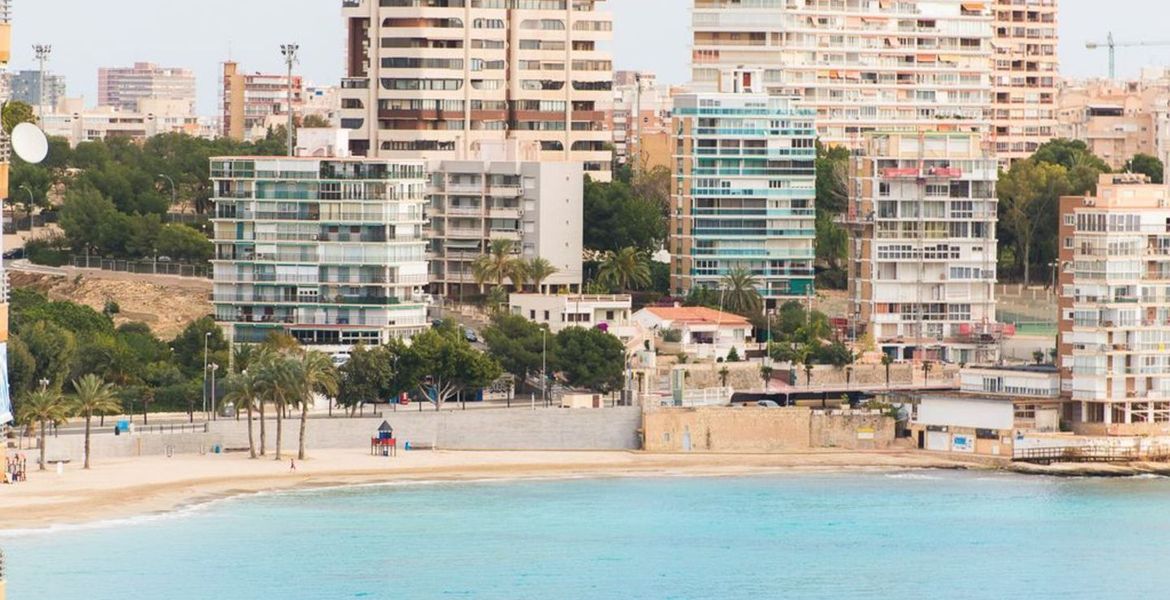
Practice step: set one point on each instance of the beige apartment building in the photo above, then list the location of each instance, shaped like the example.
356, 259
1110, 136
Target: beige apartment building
923, 212
1115, 308
1026, 75
504, 193
640, 109
863, 65
125, 87
1118, 119
249, 99
437, 78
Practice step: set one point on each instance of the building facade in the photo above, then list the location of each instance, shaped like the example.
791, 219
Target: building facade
538, 206
124, 87
923, 253
25, 86
77, 123
329, 250
1118, 119
1115, 307
745, 190
862, 65
1026, 75
250, 99
640, 108
437, 78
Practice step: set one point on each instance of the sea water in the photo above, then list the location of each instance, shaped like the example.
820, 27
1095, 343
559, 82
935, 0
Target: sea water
921, 534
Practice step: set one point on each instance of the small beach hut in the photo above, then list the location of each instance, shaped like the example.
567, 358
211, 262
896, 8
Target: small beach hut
384, 443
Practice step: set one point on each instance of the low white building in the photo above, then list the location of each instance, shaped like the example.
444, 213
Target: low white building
610, 313
702, 332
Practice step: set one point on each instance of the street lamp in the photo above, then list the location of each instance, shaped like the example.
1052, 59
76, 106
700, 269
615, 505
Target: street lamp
289, 51
31, 201
206, 339
174, 194
544, 366
44, 384
214, 368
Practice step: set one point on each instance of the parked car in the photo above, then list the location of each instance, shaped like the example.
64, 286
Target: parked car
768, 404
469, 335
14, 254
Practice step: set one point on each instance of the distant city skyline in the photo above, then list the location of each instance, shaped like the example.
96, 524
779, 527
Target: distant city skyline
650, 35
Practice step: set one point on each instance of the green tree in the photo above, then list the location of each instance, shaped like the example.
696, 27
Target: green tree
539, 270
93, 396
1029, 196
832, 189
41, 409
626, 269
615, 218
369, 376
188, 346
315, 122
183, 243
1150, 166
53, 348
22, 368
314, 374
741, 292
590, 359
501, 263
518, 344
15, 113
276, 382
79, 319
887, 360
242, 392
445, 365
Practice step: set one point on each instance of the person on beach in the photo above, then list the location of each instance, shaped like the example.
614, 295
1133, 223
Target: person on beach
292, 465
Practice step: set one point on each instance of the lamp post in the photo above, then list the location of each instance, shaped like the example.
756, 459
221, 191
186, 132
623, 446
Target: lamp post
289, 51
31, 201
174, 193
42, 52
214, 368
206, 339
544, 366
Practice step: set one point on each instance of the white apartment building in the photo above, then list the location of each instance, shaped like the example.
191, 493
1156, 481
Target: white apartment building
611, 313
437, 78
923, 254
1115, 308
124, 87
75, 122
328, 250
504, 194
641, 106
864, 65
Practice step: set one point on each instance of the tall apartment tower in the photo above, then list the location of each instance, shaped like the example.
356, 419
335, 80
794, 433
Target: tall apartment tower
864, 65
1025, 80
745, 189
1115, 308
125, 87
249, 99
923, 210
328, 250
436, 78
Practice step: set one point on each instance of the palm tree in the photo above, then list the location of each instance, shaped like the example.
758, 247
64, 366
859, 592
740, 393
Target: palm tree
766, 375
887, 360
93, 396
242, 393
499, 264
741, 293
539, 269
315, 374
41, 408
626, 269
274, 384
724, 373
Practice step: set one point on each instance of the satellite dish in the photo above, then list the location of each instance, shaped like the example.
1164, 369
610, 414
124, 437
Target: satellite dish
30, 143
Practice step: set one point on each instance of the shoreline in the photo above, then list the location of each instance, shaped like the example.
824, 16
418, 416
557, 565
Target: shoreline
118, 490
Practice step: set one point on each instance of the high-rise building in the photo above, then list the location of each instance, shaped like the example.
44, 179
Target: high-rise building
25, 86
1027, 70
75, 122
250, 99
327, 250
923, 253
436, 78
1115, 307
124, 87
745, 190
863, 65
1118, 119
505, 194
640, 107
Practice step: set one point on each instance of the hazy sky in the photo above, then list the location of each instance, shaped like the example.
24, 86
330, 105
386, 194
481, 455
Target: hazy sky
649, 35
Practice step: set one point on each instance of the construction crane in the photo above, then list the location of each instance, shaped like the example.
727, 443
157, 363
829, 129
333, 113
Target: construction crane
1113, 46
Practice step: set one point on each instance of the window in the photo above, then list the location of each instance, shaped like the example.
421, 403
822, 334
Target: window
1070, 220
1068, 243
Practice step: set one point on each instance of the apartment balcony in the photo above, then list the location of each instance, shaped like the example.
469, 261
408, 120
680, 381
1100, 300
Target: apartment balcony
497, 234
505, 213
509, 191
461, 232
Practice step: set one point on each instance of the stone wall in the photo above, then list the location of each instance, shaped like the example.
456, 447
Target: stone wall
477, 429
875, 375
756, 429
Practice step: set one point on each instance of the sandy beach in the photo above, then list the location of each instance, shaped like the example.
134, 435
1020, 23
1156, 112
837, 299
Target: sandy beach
124, 488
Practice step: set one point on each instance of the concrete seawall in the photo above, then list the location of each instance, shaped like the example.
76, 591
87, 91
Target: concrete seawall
483, 429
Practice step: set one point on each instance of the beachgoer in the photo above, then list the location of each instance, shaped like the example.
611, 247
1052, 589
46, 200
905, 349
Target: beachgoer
292, 465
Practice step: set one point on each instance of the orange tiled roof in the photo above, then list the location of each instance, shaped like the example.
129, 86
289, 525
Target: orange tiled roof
697, 314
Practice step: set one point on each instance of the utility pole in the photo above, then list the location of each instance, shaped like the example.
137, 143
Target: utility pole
42, 52
290, 58
637, 122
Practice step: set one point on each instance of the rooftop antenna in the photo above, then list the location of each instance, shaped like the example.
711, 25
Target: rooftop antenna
290, 58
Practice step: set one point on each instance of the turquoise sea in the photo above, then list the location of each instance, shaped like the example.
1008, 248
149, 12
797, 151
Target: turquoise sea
833, 536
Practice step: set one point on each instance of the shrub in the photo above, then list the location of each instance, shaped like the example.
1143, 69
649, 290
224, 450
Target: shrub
672, 336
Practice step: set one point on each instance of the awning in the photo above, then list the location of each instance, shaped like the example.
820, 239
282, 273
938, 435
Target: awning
927, 58
973, 6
